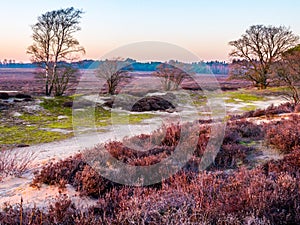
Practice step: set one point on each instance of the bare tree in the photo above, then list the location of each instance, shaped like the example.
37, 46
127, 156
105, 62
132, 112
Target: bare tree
172, 75
113, 71
256, 51
53, 43
288, 73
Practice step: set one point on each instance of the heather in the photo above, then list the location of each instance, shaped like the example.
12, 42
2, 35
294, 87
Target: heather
229, 191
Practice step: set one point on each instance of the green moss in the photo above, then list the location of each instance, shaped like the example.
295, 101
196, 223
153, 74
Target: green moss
66, 124
276, 89
55, 105
34, 127
28, 135
236, 97
40, 118
248, 108
248, 143
100, 117
47, 121
129, 118
193, 98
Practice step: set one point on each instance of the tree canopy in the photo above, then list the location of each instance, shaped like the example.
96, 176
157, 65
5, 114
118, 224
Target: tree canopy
255, 52
54, 41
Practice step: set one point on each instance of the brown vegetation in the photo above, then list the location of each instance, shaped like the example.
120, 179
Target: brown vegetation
266, 194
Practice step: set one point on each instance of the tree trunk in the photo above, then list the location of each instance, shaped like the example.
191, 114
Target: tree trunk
47, 80
263, 86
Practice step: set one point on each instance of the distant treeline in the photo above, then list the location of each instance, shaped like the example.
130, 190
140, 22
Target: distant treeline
215, 67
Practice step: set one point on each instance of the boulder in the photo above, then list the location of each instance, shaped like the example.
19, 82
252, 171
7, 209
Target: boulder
108, 103
152, 103
68, 104
79, 104
4, 95
27, 99
22, 96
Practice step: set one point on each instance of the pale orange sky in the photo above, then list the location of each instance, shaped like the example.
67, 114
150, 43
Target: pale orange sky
202, 27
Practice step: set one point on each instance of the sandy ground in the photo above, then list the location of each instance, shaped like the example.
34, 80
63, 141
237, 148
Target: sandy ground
13, 188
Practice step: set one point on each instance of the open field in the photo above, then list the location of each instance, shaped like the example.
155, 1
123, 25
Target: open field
23, 80
253, 179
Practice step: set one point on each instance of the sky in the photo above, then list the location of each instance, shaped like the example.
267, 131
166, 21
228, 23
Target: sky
202, 27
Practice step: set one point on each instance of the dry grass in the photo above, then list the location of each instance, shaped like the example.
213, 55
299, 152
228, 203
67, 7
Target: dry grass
14, 162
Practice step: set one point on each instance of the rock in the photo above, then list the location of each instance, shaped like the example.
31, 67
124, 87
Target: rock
109, 103
28, 100
152, 103
22, 96
79, 104
62, 117
68, 104
4, 96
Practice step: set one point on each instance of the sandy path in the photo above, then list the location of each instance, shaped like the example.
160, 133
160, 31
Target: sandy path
12, 188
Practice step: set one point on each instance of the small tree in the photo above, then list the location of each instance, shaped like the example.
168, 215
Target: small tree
256, 51
113, 71
172, 75
288, 73
53, 43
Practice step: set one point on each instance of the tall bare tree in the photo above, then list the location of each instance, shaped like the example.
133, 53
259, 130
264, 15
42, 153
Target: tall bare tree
53, 42
113, 71
288, 73
256, 51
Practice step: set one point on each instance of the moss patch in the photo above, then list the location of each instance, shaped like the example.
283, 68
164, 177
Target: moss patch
248, 108
236, 97
129, 118
28, 135
55, 105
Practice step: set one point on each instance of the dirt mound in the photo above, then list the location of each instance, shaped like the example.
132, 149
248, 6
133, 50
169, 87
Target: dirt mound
152, 103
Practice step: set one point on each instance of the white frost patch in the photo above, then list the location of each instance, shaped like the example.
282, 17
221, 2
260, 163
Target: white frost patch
16, 114
62, 117
156, 94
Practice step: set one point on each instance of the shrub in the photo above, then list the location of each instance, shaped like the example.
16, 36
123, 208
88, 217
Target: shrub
269, 111
88, 182
239, 197
14, 162
56, 173
283, 134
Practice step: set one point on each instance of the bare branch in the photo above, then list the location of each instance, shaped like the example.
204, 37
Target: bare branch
256, 51
54, 42
113, 71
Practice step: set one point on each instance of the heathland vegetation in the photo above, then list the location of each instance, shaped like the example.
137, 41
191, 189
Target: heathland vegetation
252, 178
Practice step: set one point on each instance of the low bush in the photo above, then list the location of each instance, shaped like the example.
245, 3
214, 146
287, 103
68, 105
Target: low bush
267, 194
283, 134
269, 111
239, 197
14, 162
56, 173
78, 170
